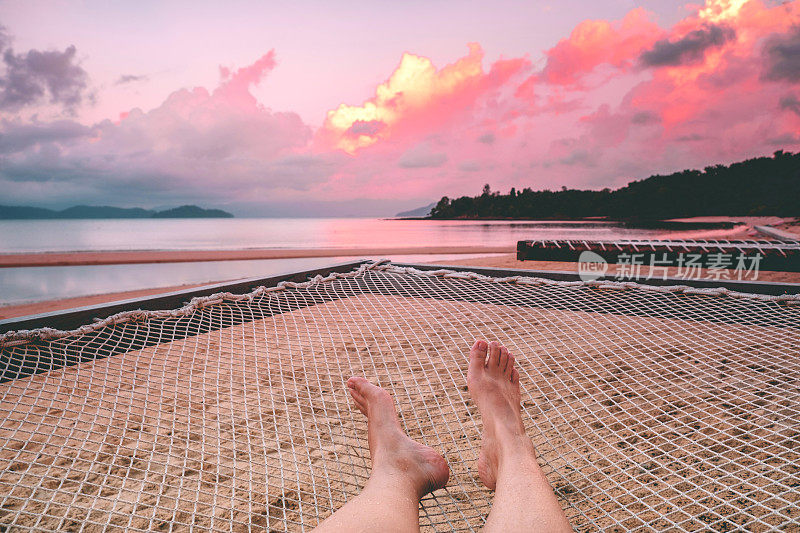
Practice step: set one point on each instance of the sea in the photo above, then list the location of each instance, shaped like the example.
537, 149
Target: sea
32, 284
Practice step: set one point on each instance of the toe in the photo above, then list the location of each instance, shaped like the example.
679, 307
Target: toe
371, 399
362, 386
360, 403
363, 390
515, 376
356, 382
358, 398
510, 366
358, 385
503, 358
494, 354
477, 355
356, 394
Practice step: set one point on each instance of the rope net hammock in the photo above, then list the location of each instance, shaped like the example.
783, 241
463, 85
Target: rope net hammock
651, 408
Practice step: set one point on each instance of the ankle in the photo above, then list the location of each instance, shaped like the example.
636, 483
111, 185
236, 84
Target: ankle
516, 450
398, 482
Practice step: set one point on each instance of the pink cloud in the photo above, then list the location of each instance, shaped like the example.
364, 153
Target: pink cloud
416, 97
615, 100
698, 97
724, 86
221, 144
598, 42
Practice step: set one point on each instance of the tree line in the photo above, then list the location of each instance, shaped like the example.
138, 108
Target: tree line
759, 186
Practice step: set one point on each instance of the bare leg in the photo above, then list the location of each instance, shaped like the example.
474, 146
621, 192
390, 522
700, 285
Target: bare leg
403, 471
524, 500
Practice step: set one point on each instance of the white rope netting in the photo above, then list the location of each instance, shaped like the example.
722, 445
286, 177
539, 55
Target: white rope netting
652, 408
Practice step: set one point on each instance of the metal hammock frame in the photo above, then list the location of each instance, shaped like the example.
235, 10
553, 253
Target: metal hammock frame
773, 255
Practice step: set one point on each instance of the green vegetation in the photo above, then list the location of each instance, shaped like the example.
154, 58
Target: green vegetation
760, 186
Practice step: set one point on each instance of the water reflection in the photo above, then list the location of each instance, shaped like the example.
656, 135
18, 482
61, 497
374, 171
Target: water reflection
23, 285
20, 236
19, 285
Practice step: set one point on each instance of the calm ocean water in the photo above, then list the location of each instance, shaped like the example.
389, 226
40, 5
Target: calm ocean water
241, 233
18, 285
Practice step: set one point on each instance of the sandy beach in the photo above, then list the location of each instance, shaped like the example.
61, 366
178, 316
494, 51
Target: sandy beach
217, 224
173, 256
745, 231
55, 259
35, 308
495, 261
249, 428
177, 450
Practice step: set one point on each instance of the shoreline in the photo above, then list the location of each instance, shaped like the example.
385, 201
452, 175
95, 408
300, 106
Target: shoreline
744, 229
62, 304
508, 261
187, 256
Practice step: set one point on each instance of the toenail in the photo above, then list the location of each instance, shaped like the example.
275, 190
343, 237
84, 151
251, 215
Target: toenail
482, 345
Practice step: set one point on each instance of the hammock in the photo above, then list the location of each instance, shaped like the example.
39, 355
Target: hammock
661, 408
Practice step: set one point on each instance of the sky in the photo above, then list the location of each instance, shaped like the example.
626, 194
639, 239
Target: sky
367, 108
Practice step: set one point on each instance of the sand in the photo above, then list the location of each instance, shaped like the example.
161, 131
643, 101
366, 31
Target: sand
187, 256
639, 422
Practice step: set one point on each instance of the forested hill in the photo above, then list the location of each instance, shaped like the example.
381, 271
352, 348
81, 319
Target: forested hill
760, 186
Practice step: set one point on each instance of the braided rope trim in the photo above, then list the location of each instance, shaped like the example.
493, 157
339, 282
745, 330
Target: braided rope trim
16, 338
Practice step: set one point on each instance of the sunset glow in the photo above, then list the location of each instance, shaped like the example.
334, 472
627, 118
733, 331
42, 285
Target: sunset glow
416, 86
610, 100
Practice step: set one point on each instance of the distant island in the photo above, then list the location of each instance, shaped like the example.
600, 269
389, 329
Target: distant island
9, 212
755, 187
192, 211
423, 211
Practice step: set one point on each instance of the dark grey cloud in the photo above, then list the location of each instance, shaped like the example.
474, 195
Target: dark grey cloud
163, 156
470, 166
5, 39
687, 49
579, 157
365, 127
781, 56
37, 76
791, 103
784, 140
16, 137
487, 138
692, 137
129, 78
645, 117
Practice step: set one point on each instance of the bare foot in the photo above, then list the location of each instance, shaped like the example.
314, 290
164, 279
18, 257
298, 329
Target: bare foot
393, 452
494, 386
